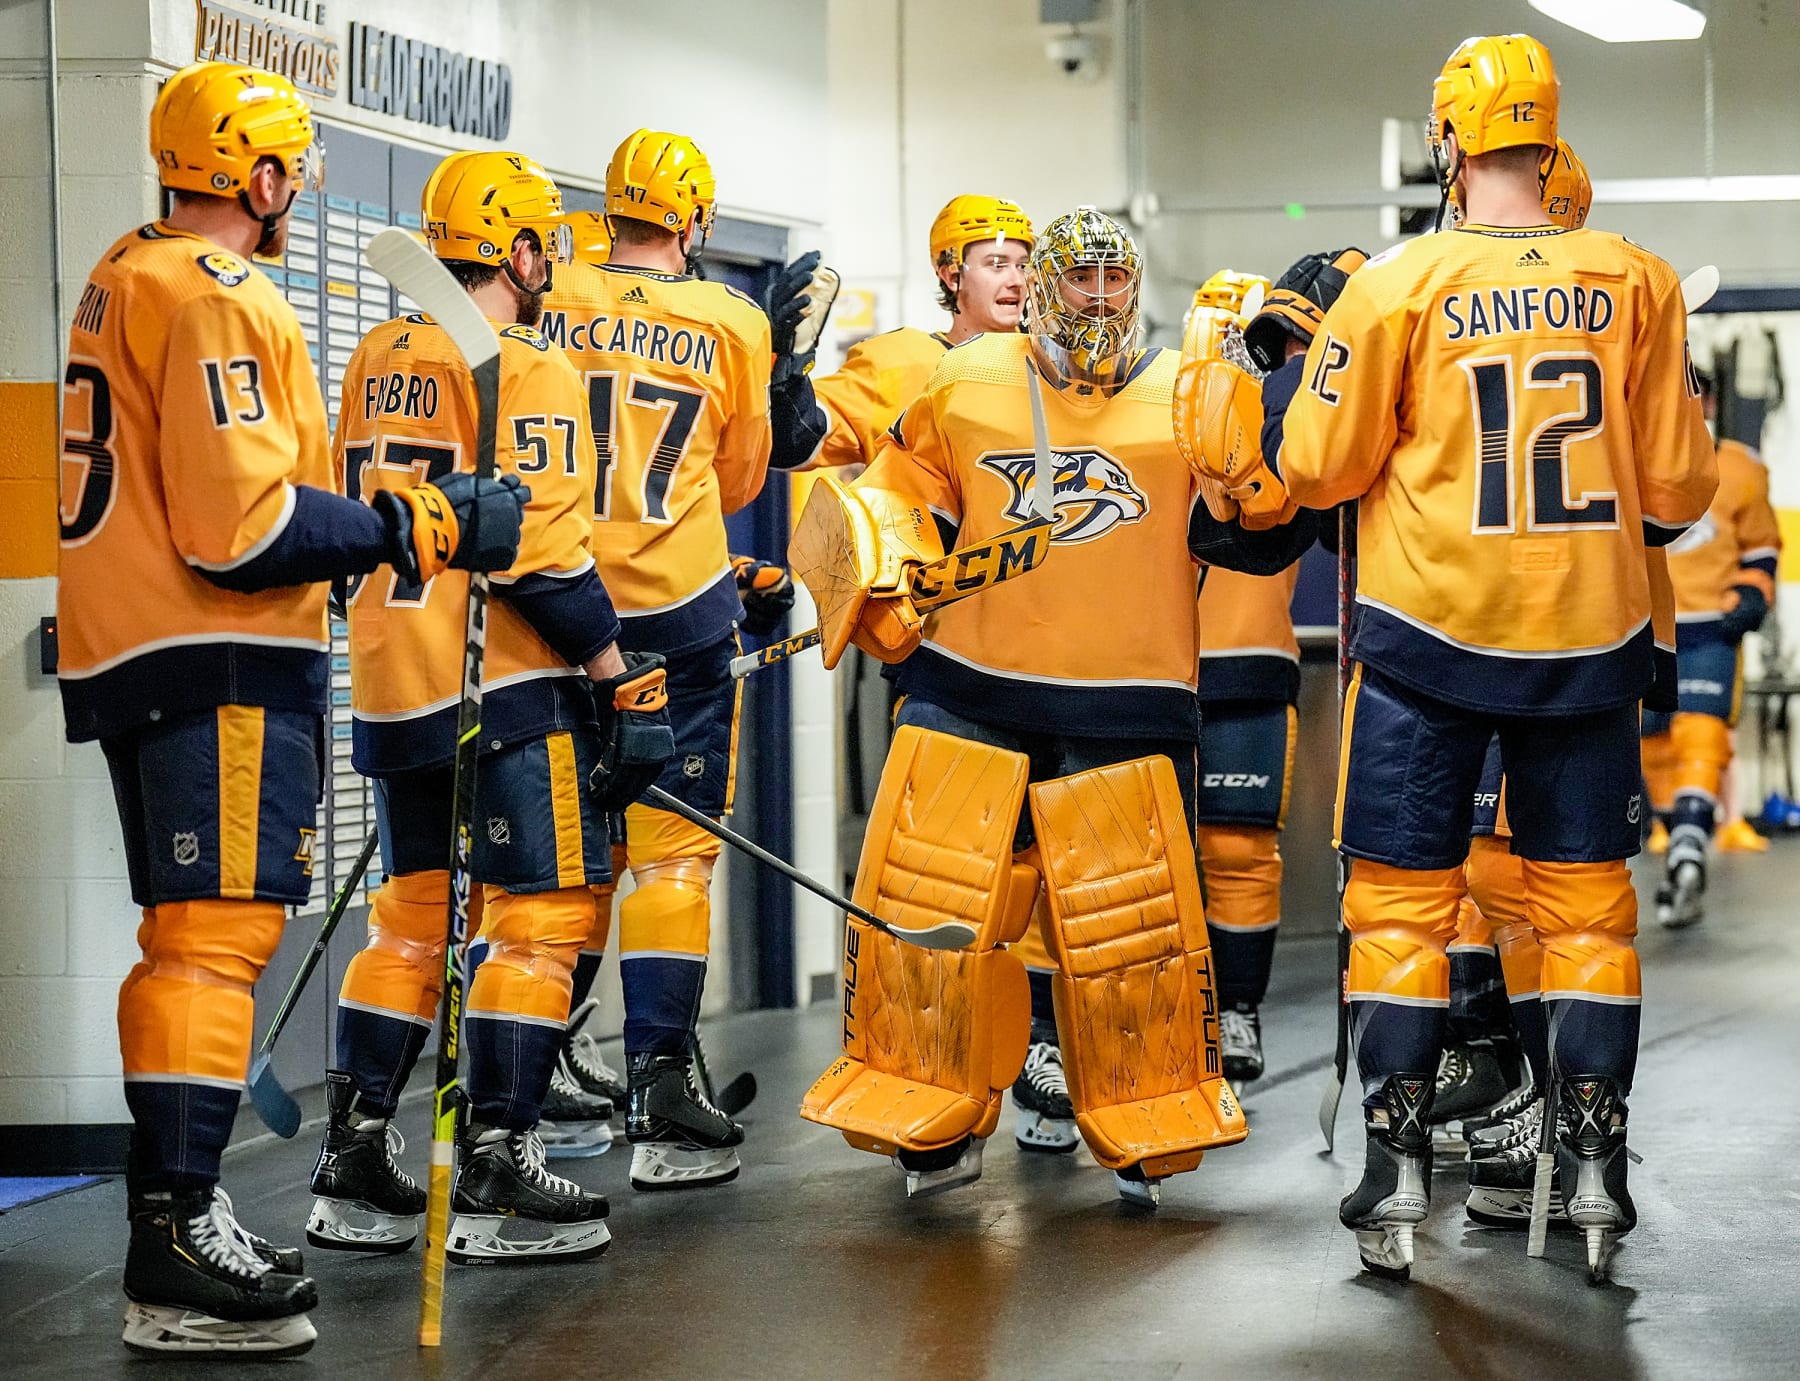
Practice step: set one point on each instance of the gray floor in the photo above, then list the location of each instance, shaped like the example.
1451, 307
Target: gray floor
815, 1265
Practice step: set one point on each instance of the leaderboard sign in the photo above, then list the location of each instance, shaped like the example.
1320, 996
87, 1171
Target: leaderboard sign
387, 72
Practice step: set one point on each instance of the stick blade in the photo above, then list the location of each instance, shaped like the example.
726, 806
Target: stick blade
944, 935
739, 1094
274, 1104
1328, 1109
1698, 287
415, 271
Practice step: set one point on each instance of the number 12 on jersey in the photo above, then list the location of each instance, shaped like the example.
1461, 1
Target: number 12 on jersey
650, 469
1552, 508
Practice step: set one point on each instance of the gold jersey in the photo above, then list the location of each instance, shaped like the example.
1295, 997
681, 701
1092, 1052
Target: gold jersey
1738, 542
1102, 639
1516, 413
408, 416
878, 378
191, 413
1247, 646
676, 376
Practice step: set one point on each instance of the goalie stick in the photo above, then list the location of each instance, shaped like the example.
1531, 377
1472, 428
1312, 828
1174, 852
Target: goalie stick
415, 272
944, 935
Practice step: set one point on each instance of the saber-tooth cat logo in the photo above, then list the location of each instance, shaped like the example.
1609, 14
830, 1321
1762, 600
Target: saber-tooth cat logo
1092, 493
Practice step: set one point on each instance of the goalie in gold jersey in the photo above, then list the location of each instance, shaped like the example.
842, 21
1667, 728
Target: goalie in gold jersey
1511, 405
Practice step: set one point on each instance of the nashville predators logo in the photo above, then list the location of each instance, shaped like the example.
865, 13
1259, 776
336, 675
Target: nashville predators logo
227, 268
1092, 493
1695, 537
303, 855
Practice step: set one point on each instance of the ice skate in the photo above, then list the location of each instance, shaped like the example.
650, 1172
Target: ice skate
507, 1206
1499, 1123
1041, 1095
1474, 1082
1395, 1193
1502, 1173
1135, 1187
1591, 1162
1240, 1045
287, 1260
932, 1172
195, 1285
1685, 894
575, 1124
678, 1139
366, 1202
582, 1053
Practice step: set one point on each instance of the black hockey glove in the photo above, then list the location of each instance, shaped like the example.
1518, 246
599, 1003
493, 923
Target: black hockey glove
798, 304
471, 524
1297, 304
636, 740
1752, 608
767, 591
1268, 551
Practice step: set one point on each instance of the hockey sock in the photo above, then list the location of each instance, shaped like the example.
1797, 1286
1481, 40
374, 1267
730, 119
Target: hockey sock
665, 930
1242, 869
1400, 920
1585, 915
1043, 1003
389, 999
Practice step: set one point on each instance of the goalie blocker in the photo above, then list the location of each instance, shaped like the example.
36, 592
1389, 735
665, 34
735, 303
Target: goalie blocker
931, 1040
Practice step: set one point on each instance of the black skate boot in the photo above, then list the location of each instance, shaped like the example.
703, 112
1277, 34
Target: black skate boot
582, 1052
1470, 1083
1499, 1124
1395, 1193
508, 1207
366, 1202
195, 1285
1240, 1044
1591, 1164
576, 1124
678, 1139
946, 1167
1503, 1173
1041, 1095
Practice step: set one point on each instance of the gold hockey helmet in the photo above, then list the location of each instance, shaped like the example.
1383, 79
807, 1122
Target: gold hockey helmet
475, 205
971, 219
1565, 189
1495, 93
213, 121
661, 178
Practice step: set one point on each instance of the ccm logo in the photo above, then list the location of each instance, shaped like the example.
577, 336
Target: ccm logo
1252, 779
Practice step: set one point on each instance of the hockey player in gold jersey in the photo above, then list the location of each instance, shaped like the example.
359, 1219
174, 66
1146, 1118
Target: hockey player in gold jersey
557, 692
1002, 691
979, 246
200, 525
1724, 573
1511, 406
676, 377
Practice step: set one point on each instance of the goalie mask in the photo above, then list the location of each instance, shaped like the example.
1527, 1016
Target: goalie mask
1083, 281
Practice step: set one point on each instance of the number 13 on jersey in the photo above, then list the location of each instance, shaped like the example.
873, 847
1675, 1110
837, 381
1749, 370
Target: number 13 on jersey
641, 434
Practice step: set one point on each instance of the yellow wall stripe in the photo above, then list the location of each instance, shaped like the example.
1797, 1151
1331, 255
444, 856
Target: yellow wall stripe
565, 803
28, 524
240, 798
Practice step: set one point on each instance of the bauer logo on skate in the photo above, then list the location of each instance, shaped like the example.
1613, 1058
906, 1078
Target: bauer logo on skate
1092, 493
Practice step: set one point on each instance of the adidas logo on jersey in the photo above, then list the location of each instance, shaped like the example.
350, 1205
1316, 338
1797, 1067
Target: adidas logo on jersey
636, 296
1530, 259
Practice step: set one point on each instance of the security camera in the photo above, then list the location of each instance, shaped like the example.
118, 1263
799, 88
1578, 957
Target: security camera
1073, 54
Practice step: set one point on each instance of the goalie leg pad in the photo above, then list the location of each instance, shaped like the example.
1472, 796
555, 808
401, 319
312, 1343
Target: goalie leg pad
933, 1038
1136, 1010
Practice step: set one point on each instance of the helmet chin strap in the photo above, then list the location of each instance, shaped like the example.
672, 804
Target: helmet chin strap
525, 288
1446, 183
271, 223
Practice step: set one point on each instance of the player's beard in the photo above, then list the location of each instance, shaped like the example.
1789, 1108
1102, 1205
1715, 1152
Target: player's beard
531, 306
272, 243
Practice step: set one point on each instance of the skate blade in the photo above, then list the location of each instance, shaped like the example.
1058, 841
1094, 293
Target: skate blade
923, 1184
656, 1166
575, 1140
1142, 1193
1055, 1135
154, 1329
1600, 1244
480, 1237
1387, 1252
338, 1225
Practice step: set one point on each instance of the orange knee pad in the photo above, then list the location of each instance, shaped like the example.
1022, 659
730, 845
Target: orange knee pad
1401, 920
1240, 868
533, 940
401, 968
1585, 916
1701, 746
186, 1007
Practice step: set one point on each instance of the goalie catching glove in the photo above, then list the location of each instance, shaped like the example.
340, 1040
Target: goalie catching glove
767, 592
1218, 417
461, 521
1297, 304
636, 740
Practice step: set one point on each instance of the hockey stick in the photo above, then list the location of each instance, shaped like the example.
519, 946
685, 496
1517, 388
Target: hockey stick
964, 572
274, 1104
415, 272
944, 935
1698, 287
731, 1100
1340, 1059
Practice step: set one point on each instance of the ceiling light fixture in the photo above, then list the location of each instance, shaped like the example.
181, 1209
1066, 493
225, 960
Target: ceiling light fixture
1627, 21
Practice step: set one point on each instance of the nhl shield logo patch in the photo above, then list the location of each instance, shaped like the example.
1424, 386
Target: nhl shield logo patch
499, 830
187, 848
1092, 492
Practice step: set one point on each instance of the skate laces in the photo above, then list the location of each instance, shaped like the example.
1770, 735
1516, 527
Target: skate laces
528, 1155
1453, 1067
584, 1050
1044, 1068
222, 1240
1235, 1030
394, 1144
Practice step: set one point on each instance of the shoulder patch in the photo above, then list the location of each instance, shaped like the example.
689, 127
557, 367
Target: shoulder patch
227, 268
419, 319
1387, 255
527, 334
738, 292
